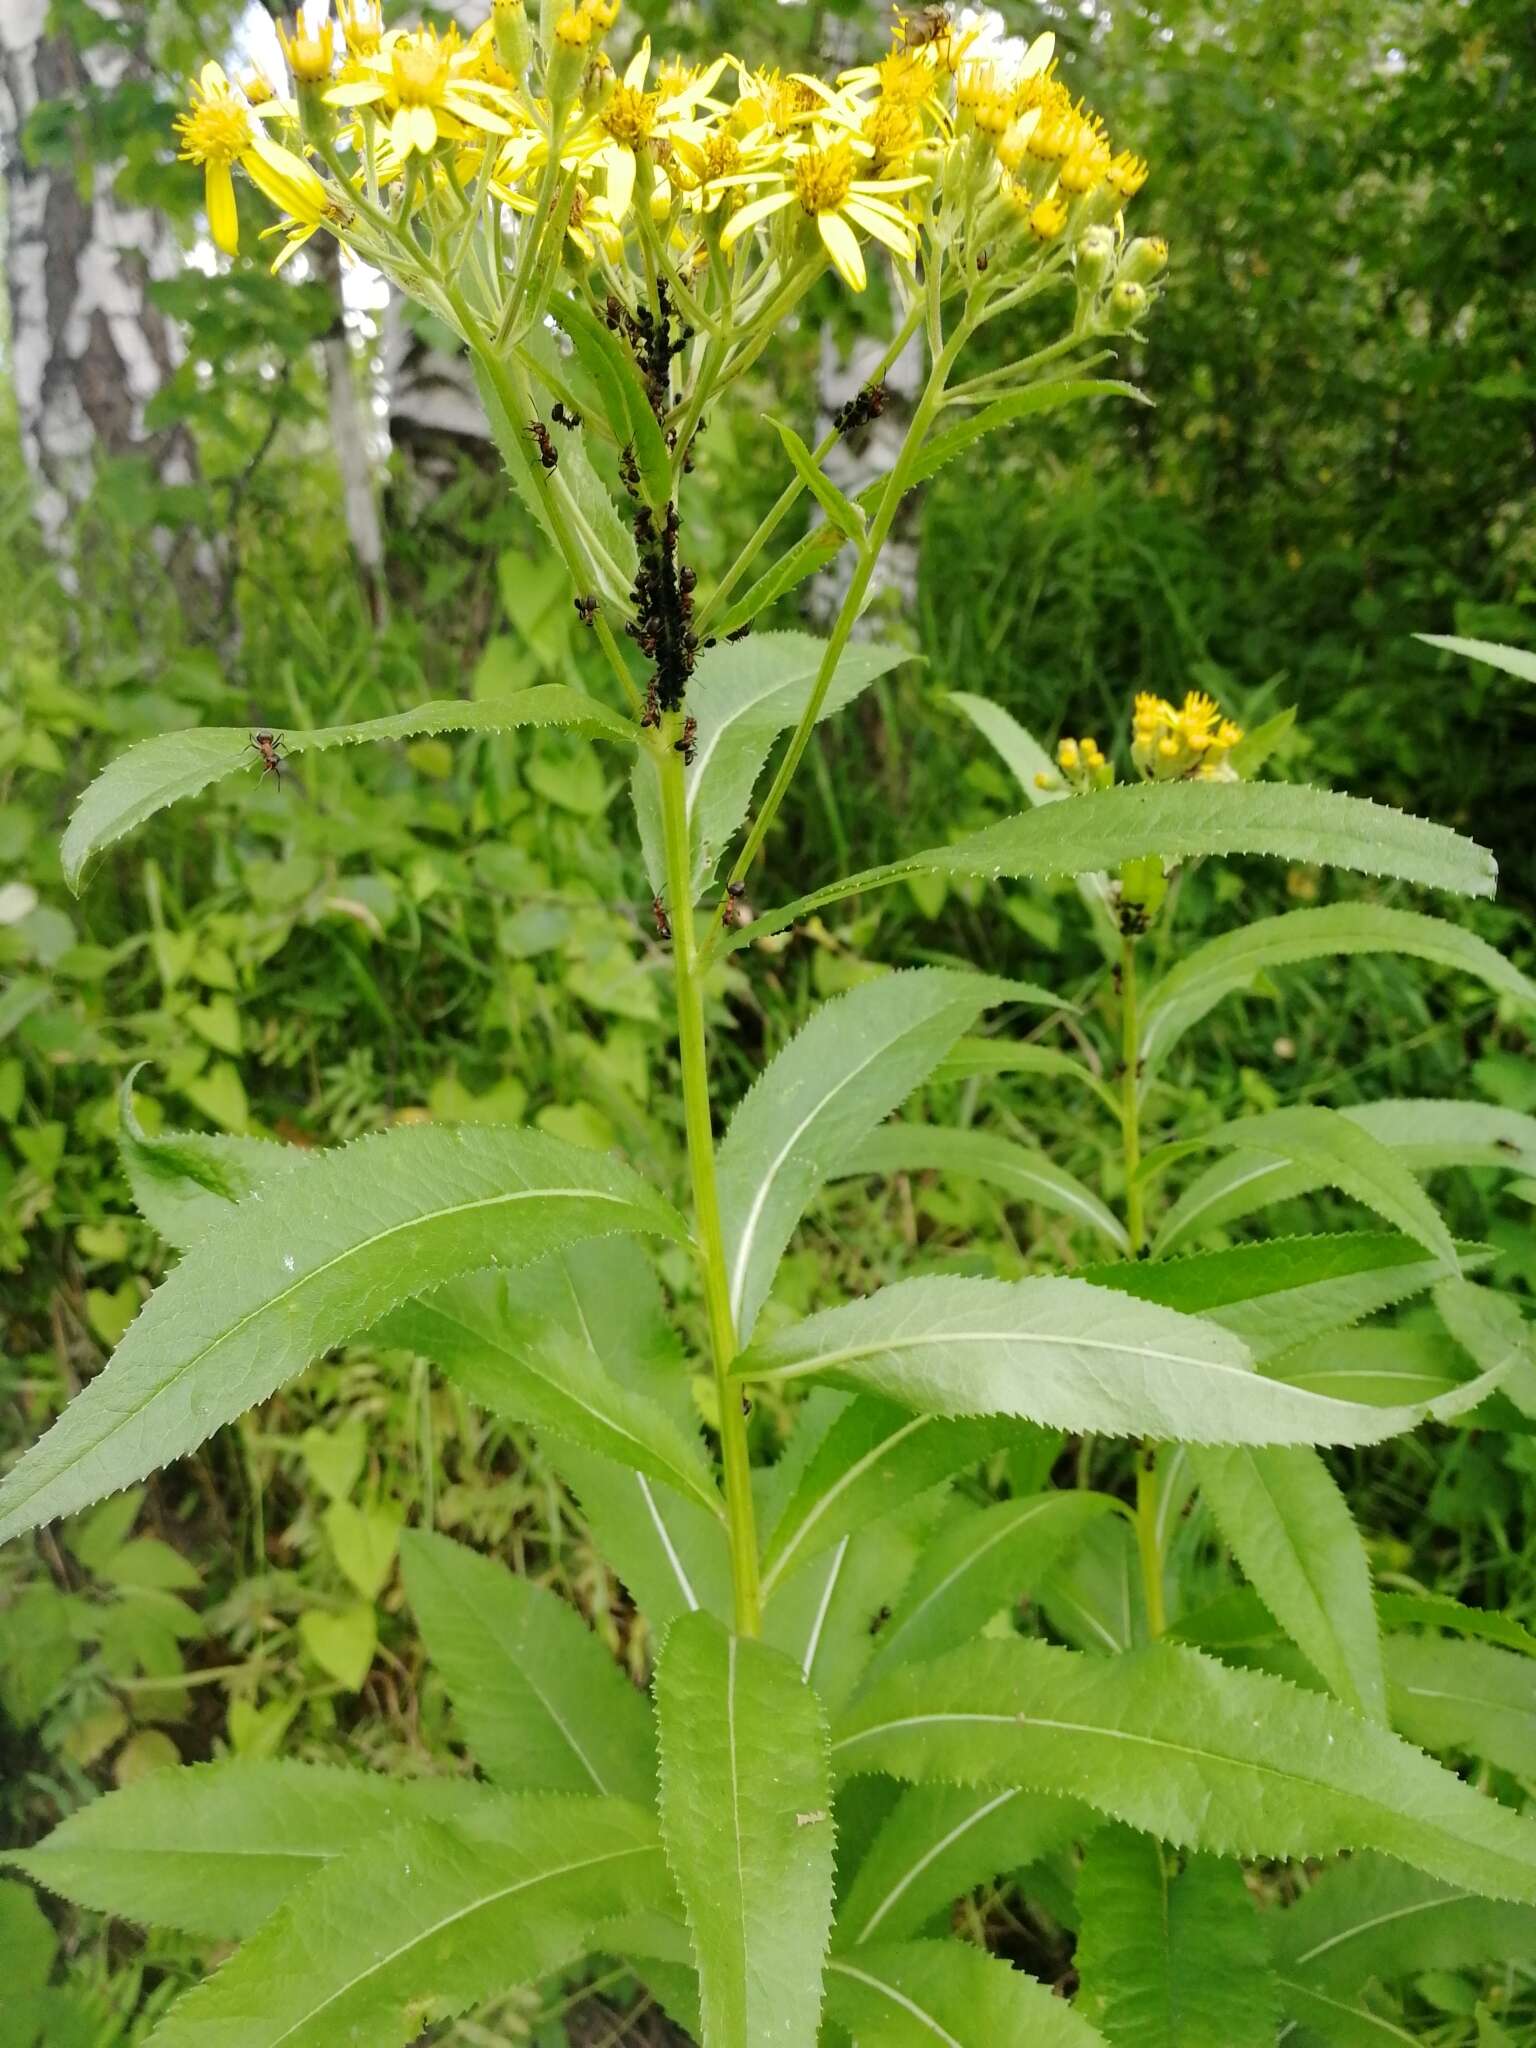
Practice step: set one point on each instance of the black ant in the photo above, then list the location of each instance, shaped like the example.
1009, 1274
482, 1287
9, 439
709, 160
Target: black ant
651, 717
269, 746
864, 406
740, 633
569, 420
586, 609
684, 746
881, 1617
735, 911
546, 447
629, 469
663, 923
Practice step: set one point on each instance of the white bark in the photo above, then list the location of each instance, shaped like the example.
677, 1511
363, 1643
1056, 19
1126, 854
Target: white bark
88, 350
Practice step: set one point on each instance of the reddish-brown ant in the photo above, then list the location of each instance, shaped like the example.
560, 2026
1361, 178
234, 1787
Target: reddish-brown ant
586, 609
546, 447
659, 912
269, 746
684, 746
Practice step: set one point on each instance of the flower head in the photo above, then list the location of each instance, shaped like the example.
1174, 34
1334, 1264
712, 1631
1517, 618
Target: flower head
310, 51
1192, 742
214, 132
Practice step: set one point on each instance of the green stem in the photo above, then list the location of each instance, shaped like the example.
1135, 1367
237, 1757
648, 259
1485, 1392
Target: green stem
693, 1054
1147, 1545
1130, 1106
789, 496
926, 411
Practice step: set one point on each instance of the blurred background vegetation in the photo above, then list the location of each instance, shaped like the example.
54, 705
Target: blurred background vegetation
226, 498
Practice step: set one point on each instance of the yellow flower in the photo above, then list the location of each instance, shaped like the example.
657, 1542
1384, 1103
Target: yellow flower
1082, 764
362, 25
1193, 742
214, 132
634, 120
310, 51
426, 84
1047, 220
717, 166
822, 177
1127, 174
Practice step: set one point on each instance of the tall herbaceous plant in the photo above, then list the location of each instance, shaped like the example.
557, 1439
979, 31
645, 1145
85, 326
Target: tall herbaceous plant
841, 1740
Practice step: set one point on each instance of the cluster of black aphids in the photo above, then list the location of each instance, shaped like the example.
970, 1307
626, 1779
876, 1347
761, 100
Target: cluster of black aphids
652, 340
663, 601
864, 406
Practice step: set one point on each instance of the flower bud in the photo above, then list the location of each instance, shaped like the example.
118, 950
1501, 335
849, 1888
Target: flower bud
1145, 259
567, 55
1143, 885
1095, 254
514, 38
1127, 302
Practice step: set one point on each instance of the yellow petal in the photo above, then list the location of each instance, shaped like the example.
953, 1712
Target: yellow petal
883, 230
843, 247
285, 178
223, 219
750, 215
621, 181
638, 65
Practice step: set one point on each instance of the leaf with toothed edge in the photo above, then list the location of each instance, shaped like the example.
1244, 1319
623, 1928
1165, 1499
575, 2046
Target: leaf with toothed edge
162, 770
1207, 1757
427, 1920
183, 1182
1060, 1352
947, 1994
214, 1849
1182, 821
857, 1057
283, 1279
746, 1820
1019, 1171
1284, 1291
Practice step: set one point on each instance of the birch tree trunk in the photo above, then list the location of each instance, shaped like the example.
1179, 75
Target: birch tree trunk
88, 350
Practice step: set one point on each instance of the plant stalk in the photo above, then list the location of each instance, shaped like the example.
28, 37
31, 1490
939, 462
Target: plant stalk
1130, 1105
693, 1054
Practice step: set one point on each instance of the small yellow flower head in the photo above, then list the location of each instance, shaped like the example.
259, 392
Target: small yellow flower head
892, 132
214, 132
310, 51
1144, 260
1127, 174
257, 87
823, 176
362, 25
905, 80
629, 115
1082, 764
986, 97
603, 13
1127, 302
573, 29
1047, 220
788, 101
1085, 168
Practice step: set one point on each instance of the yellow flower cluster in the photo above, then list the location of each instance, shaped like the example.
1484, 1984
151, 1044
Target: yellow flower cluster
1169, 745
1191, 743
960, 142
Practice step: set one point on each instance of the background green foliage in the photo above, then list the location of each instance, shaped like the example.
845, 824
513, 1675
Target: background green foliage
1341, 455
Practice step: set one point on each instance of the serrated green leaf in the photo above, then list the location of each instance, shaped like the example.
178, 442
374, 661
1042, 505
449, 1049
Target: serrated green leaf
941, 1841
823, 1615
424, 1922
1514, 661
1494, 1334
1171, 1742
1384, 1366
1422, 1134
1372, 1918
857, 1058
162, 770
1183, 821
1170, 1958
1060, 1352
843, 513
1332, 1151
671, 1555
1020, 1171
741, 698
1277, 1294
1464, 1696
1096, 1598
500, 1345
214, 1849
746, 1820
1223, 965
1285, 1521
268, 1290
1439, 1610
946, 1994
973, 1056
987, 1559
1050, 395
183, 1182
542, 1705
